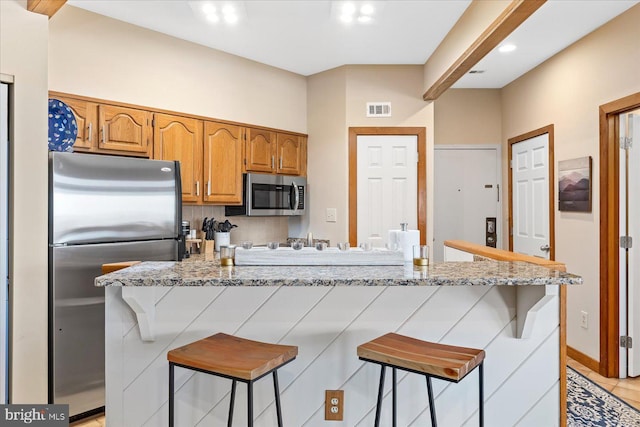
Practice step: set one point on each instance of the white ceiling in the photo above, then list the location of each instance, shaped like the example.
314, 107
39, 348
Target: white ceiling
306, 37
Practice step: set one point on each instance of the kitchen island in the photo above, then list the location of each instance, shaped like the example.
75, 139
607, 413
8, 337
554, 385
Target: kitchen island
509, 309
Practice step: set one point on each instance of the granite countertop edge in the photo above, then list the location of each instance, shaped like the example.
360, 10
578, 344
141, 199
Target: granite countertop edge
209, 273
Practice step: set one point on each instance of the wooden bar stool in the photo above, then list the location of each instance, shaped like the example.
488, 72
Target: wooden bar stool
235, 358
430, 359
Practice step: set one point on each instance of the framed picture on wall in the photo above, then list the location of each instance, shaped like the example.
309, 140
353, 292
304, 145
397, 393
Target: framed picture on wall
574, 185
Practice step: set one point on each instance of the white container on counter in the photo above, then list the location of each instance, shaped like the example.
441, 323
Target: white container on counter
406, 240
221, 238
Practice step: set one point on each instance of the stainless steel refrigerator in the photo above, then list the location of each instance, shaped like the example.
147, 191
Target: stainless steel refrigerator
102, 209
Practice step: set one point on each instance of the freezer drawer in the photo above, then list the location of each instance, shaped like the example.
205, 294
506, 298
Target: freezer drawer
76, 345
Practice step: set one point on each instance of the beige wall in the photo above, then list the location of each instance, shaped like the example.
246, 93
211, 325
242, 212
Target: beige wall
23, 54
566, 91
96, 56
337, 100
468, 116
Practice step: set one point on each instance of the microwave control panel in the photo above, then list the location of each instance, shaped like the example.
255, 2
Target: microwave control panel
300, 196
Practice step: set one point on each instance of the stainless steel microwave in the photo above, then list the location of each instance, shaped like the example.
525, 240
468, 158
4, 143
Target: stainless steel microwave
271, 195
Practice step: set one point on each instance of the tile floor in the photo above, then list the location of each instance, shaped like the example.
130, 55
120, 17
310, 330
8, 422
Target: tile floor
626, 389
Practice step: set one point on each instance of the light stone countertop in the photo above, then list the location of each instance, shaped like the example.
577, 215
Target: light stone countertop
206, 271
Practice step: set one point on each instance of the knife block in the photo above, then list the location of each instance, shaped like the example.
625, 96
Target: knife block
208, 245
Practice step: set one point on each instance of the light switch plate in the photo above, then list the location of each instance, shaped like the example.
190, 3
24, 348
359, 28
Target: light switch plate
332, 215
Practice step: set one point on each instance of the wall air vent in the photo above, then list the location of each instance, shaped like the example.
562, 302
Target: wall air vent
378, 109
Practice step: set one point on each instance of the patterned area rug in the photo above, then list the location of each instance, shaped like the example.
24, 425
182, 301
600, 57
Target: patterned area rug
589, 405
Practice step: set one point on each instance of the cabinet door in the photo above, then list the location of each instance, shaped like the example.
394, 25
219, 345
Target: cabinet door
260, 150
180, 138
86, 114
289, 154
125, 130
222, 163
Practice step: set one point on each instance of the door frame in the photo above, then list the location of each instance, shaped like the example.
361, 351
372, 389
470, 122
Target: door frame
610, 232
421, 134
552, 226
552, 252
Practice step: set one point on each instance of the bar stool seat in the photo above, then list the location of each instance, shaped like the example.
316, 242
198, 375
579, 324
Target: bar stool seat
446, 362
234, 358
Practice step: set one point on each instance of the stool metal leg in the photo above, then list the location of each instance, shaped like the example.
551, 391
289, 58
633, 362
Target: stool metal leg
481, 381
250, 403
277, 391
380, 391
432, 406
395, 398
171, 384
232, 403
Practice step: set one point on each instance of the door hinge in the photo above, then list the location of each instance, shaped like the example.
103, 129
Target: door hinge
417, 157
626, 242
626, 142
626, 342
511, 164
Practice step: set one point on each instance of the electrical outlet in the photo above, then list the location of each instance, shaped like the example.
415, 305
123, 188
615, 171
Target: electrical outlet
584, 319
334, 405
332, 215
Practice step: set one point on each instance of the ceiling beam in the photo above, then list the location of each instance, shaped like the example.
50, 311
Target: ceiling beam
511, 17
45, 7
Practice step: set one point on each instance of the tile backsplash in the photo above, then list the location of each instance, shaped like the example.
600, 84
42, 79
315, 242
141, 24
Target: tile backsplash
259, 230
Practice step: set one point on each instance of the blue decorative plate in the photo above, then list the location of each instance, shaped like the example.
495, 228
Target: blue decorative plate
63, 128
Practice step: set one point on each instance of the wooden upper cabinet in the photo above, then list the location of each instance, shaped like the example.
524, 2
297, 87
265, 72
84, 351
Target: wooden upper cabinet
86, 114
260, 150
290, 153
180, 138
223, 153
125, 129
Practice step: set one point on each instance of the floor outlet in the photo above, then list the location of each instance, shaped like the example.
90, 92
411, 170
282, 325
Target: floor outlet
334, 405
584, 319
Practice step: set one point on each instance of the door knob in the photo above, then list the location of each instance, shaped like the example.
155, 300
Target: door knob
545, 248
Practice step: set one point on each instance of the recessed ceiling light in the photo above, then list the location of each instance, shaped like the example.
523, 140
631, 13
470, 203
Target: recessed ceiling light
230, 18
367, 9
346, 18
208, 8
348, 9
505, 48
228, 9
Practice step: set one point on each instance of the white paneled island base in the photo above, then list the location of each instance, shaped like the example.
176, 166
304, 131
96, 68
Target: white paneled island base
327, 323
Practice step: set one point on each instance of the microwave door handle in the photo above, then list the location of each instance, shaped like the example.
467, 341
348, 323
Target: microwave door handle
297, 196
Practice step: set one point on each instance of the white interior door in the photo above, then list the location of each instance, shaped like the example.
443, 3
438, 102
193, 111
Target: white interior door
466, 193
633, 254
530, 193
387, 185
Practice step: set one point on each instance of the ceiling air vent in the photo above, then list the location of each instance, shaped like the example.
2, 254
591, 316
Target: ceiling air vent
378, 109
